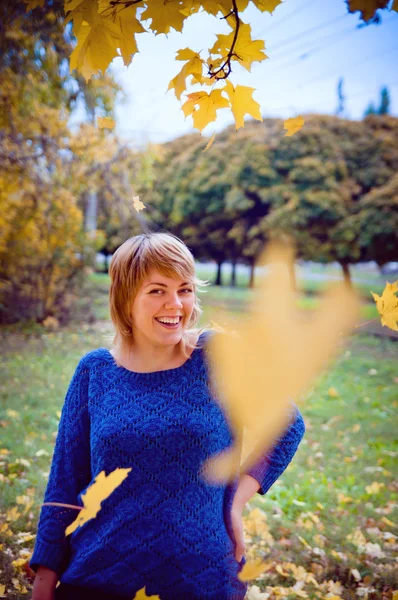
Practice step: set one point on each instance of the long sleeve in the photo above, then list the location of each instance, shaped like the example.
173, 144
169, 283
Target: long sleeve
70, 473
271, 466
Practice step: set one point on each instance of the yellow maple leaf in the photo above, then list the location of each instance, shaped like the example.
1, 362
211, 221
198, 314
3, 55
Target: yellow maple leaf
210, 142
138, 205
193, 66
242, 103
293, 125
208, 104
249, 369
105, 123
252, 569
164, 14
368, 8
98, 491
267, 5
99, 34
247, 50
387, 305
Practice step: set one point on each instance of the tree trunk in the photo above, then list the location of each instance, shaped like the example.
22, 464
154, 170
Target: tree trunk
218, 280
106, 263
252, 267
346, 273
233, 273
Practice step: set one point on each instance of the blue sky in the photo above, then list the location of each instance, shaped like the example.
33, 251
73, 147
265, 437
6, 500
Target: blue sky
300, 75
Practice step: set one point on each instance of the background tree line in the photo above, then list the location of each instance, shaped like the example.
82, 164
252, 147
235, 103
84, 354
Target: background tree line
332, 188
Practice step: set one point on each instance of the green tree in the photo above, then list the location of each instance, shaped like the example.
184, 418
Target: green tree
384, 107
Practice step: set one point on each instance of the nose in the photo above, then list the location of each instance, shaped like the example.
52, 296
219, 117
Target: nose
174, 302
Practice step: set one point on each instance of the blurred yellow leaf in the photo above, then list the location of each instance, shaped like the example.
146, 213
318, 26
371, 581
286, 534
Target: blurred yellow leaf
387, 305
138, 205
105, 123
375, 487
252, 569
250, 367
333, 393
293, 125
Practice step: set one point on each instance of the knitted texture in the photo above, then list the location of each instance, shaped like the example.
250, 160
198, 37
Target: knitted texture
164, 528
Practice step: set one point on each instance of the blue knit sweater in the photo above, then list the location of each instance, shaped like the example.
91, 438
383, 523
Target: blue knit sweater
164, 527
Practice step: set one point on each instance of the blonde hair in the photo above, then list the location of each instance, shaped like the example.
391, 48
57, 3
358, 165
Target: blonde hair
131, 264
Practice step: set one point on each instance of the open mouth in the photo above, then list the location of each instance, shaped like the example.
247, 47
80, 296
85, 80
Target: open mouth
170, 325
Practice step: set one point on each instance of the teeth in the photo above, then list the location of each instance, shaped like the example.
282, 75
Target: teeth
171, 321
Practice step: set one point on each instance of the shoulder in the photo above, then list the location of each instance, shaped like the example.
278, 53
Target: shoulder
92, 359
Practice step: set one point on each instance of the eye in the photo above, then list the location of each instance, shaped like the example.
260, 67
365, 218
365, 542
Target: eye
184, 290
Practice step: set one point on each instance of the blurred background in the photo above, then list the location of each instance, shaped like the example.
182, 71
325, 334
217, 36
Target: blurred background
66, 205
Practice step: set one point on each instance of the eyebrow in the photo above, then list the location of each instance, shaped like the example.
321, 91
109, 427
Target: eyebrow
164, 285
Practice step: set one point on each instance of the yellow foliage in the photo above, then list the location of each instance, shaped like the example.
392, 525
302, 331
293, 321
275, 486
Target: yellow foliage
387, 305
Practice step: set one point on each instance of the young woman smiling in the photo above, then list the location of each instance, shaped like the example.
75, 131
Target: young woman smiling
148, 404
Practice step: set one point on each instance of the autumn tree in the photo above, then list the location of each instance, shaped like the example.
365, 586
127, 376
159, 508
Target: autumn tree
45, 169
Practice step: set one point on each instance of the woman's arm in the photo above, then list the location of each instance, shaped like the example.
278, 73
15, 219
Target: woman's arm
44, 584
70, 473
271, 466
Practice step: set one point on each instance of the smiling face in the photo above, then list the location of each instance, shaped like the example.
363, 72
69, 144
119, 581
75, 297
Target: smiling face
161, 296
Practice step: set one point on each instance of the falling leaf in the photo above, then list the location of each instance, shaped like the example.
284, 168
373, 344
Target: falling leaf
250, 368
293, 125
105, 123
98, 491
387, 305
210, 142
138, 205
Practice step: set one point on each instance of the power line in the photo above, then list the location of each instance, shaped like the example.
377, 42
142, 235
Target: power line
283, 20
307, 31
339, 34
306, 55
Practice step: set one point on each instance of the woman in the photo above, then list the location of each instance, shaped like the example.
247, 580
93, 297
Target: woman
147, 404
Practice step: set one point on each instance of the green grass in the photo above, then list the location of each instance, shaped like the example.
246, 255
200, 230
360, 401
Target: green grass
320, 498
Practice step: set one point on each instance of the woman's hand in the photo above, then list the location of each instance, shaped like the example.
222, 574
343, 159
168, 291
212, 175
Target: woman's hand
237, 527
44, 584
